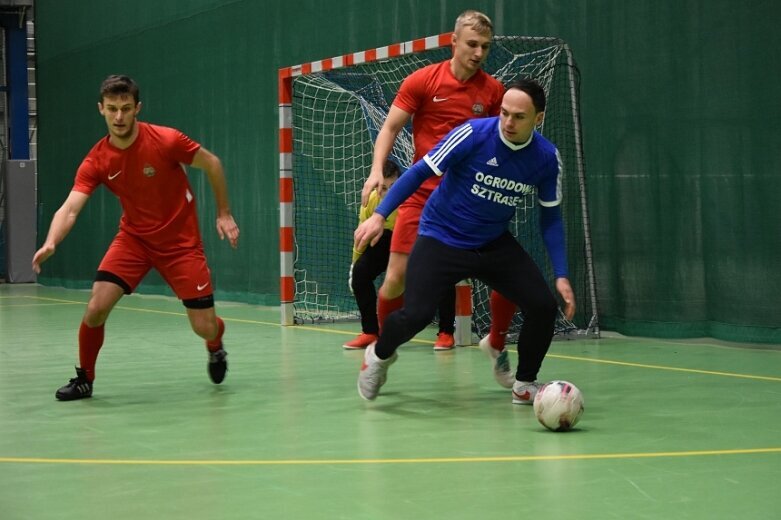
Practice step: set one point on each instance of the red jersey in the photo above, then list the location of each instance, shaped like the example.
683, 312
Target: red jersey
439, 102
151, 183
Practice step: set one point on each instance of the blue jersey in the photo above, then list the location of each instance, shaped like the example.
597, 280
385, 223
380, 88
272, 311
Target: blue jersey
487, 177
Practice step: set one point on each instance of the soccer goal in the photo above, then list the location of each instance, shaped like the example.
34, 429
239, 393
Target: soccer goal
330, 112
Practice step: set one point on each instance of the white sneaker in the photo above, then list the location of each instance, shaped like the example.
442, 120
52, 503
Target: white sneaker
500, 363
524, 391
373, 374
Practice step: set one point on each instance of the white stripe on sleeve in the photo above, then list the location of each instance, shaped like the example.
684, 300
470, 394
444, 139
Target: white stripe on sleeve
433, 166
455, 138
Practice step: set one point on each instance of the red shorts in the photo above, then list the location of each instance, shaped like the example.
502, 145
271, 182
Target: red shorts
183, 268
405, 231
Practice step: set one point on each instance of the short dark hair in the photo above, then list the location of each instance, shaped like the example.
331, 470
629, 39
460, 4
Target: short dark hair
533, 89
119, 85
390, 169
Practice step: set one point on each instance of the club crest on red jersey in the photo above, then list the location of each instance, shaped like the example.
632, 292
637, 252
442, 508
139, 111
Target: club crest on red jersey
149, 171
477, 109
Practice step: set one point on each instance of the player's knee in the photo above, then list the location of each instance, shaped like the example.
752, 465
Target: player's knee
205, 328
361, 273
394, 281
95, 315
546, 308
203, 320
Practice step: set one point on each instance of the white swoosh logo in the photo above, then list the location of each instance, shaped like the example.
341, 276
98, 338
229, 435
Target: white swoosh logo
439, 99
111, 177
202, 287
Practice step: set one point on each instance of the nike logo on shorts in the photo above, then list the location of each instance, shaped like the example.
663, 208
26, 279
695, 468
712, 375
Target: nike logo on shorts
114, 176
201, 287
439, 99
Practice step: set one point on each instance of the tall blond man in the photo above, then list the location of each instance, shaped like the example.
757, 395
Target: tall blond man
437, 98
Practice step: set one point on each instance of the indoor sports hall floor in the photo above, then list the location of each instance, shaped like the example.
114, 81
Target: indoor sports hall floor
672, 429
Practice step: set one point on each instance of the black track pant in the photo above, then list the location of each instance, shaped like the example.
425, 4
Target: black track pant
504, 266
371, 264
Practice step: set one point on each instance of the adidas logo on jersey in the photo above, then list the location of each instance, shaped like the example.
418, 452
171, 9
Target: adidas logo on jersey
492, 162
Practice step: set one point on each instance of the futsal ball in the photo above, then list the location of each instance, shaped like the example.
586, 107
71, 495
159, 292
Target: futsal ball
558, 405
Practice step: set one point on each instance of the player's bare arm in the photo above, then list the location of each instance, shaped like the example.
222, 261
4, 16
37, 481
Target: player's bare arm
62, 222
567, 295
393, 124
212, 166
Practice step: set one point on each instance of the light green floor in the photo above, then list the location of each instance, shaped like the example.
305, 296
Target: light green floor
671, 429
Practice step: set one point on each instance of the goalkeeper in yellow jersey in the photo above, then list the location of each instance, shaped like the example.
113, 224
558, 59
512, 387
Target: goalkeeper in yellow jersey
370, 263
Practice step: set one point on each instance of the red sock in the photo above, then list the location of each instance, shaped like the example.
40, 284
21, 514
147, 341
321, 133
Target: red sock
385, 307
90, 341
502, 312
216, 343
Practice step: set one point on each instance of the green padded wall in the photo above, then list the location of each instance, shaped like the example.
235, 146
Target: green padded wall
680, 110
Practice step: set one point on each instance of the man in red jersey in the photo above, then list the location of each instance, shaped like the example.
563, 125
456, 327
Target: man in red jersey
438, 98
142, 164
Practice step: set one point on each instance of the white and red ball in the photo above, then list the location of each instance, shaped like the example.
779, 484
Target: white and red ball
558, 405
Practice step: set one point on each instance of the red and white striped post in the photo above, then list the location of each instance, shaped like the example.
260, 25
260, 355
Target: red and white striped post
463, 335
287, 283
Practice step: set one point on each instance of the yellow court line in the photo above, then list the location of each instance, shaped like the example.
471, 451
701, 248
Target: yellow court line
15, 305
231, 320
431, 460
136, 309
351, 333
558, 356
662, 367
56, 300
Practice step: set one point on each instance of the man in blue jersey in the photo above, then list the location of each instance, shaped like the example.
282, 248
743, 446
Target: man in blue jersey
491, 164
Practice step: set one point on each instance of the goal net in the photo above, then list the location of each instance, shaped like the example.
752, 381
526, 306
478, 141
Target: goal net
335, 109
